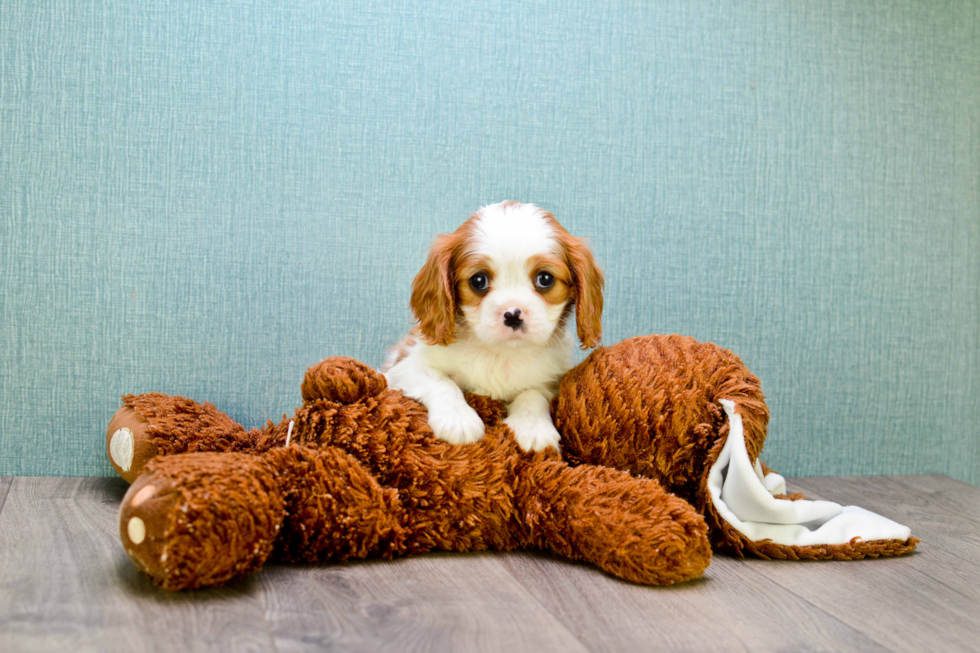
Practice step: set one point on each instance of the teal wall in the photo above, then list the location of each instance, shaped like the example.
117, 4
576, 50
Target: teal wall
203, 198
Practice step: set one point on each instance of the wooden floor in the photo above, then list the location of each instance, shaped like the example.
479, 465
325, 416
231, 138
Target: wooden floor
66, 585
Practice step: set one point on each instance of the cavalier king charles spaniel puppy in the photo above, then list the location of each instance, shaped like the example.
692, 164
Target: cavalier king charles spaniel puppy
492, 303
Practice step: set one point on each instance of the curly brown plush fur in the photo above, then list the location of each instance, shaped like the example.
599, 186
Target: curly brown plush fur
650, 405
364, 475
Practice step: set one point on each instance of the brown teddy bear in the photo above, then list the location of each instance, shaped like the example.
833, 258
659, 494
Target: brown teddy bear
656, 432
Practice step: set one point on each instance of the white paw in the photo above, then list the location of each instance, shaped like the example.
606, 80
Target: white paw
456, 423
533, 433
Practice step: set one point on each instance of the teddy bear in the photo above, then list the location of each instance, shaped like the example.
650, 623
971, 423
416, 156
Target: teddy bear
659, 462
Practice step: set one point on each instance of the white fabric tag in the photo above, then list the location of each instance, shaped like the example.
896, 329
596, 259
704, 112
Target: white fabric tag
744, 498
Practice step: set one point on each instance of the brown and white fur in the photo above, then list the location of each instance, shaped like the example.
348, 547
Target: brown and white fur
507, 340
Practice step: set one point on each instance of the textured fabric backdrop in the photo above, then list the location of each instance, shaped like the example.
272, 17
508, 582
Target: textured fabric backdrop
203, 198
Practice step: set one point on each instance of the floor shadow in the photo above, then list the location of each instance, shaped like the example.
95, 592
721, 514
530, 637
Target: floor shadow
135, 584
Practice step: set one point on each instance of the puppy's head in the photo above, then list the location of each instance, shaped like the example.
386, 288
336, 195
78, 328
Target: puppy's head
511, 275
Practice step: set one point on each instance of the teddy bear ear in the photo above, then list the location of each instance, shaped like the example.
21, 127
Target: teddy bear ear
751, 510
343, 380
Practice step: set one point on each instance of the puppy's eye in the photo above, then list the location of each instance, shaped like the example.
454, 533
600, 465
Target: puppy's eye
479, 282
544, 280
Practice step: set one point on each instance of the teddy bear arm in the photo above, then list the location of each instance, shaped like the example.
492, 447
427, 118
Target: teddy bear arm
627, 526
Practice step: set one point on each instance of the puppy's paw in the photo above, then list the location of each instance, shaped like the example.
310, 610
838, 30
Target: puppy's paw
533, 433
456, 423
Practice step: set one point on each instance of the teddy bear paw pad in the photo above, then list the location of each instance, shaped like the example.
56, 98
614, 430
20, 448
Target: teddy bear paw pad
136, 529
121, 448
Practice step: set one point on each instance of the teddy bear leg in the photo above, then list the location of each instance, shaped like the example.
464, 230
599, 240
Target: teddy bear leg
628, 526
154, 424
201, 519
335, 508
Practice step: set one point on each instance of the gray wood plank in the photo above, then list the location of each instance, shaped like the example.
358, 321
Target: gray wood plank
66, 585
731, 608
942, 517
924, 601
5, 482
957, 495
436, 602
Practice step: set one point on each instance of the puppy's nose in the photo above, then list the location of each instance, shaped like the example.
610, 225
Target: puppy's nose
512, 318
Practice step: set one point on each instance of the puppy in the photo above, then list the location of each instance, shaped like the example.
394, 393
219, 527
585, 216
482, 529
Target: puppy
492, 302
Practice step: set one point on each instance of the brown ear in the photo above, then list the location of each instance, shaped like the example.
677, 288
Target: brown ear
588, 282
434, 295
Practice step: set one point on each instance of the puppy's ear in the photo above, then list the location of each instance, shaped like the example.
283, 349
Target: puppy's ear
588, 282
434, 293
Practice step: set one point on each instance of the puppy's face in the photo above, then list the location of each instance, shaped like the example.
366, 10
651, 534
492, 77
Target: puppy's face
511, 275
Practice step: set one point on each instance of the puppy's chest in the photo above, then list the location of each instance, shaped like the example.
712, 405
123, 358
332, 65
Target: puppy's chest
505, 375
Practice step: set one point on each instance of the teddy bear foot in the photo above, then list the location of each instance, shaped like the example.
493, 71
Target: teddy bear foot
201, 519
127, 443
143, 518
156, 424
